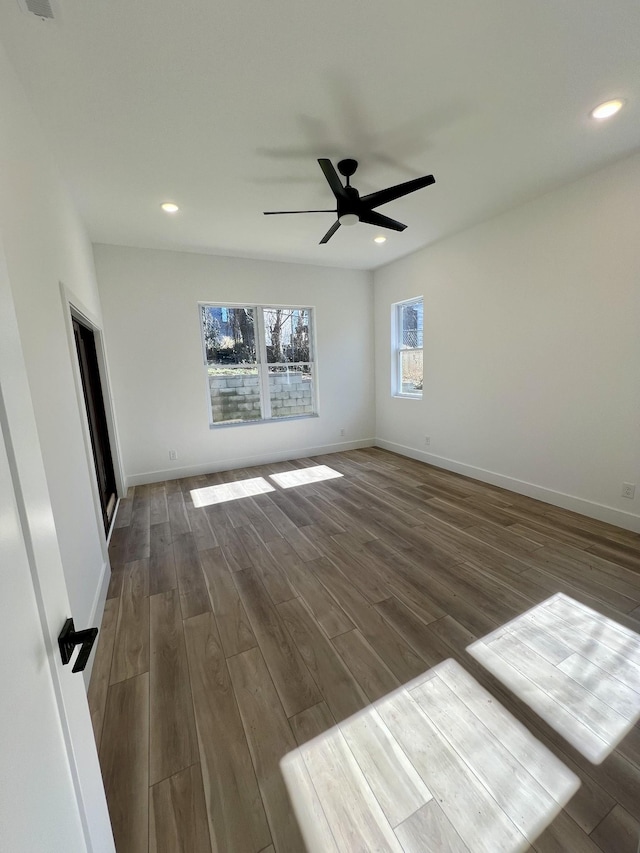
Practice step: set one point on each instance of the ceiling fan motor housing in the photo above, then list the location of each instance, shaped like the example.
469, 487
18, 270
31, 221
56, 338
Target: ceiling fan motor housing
349, 206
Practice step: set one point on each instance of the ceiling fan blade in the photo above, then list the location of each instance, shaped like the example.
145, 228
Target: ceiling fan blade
371, 217
391, 193
330, 232
278, 212
332, 177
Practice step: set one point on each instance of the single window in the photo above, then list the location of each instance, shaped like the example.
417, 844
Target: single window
259, 362
408, 347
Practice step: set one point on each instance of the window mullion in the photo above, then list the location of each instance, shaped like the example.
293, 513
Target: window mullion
263, 367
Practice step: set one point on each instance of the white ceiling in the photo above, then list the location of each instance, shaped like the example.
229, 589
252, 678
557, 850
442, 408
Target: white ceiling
224, 107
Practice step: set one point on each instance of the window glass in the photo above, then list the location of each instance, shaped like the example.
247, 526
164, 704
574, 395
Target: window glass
286, 335
229, 335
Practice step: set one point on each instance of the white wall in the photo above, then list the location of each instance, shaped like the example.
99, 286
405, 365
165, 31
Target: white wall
52, 559
45, 244
151, 318
532, 348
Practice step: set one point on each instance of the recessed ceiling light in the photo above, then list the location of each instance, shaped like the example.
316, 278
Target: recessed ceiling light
608, 109
169, 207
380, 239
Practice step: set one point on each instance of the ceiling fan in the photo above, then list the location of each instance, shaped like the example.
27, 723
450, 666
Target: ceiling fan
350, 207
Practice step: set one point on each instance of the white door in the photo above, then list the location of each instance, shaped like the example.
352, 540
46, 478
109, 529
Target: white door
51, 793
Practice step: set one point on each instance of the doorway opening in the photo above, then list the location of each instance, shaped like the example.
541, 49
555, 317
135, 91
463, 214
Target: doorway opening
97, 418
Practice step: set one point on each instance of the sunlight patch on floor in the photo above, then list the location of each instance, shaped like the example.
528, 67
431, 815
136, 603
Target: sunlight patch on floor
577, 669
304, 476
208, 495
440, 761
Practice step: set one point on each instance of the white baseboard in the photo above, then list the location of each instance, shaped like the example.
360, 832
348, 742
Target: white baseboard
95, 619
243, 462
602, 512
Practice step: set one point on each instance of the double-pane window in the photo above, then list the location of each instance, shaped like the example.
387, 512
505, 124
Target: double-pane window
408, 348
259, 362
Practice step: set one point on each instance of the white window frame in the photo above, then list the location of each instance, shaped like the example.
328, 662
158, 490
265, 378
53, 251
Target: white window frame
261, 364
398, 348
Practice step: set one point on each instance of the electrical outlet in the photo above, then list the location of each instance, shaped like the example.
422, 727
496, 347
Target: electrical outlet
427, 440
173, 455
341, 432
628, 490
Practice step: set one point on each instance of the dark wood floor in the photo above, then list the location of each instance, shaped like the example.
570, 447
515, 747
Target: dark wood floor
226, 623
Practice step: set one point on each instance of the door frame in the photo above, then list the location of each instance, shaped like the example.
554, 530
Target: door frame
73, 307
20, 432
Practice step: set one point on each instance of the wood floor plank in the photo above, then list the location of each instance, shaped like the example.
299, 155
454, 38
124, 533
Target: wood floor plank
233, 624
219, 522
162, 564
623, 555
270, 739
312, 722
591, 801
345, 521
339, 689
124, 759
521, 797
294, 509
178, 814
194, 597
564, 834
274, 514
235, 552
259, 521
403, 661
237, 820
368, 669
308, 809
450, 513
131, 646
200, 528
362, 573
504, 539
390, 774
99, 684
352, 811
115, 580
326, 610
178, 518
407, 578
295, 686
431, 823
475, 815
158, 510
137, 542
585, 727
172, 735
413, 629
618, 832
123, 515
301, 544
172, 487
579, 563
274, 579
588, 580
539, 762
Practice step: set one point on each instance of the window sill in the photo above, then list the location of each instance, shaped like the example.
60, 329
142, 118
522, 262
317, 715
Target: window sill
407, 396
259, 421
